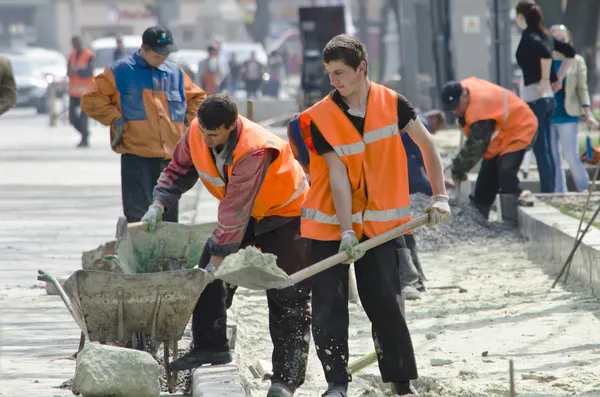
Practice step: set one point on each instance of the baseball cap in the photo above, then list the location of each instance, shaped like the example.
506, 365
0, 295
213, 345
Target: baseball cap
159, 39
451, 93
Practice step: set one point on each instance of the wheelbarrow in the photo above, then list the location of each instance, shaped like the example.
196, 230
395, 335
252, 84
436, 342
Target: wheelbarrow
149, 294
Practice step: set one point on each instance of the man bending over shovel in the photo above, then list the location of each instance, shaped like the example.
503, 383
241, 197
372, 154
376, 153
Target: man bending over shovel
359, 190
261, 188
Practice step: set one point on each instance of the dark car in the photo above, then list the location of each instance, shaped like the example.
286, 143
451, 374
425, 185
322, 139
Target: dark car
32, 85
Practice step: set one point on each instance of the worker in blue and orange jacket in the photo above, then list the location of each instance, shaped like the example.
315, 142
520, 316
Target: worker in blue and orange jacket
148, 104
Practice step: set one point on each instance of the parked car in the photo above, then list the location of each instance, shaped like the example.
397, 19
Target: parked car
32, 85
104, 49
188, 60
54, 66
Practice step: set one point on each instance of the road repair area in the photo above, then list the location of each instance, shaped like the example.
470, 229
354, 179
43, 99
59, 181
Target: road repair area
488, 301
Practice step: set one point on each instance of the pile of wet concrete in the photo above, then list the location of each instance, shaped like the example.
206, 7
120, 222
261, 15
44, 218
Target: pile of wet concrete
466, 226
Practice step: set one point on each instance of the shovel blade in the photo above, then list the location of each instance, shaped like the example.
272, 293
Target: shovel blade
249, 268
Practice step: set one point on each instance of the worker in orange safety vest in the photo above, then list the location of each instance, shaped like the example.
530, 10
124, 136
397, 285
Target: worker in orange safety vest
261, 188
500, 128
359, 190
80, 69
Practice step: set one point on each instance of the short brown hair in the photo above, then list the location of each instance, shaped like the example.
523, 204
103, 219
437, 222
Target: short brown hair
347, 49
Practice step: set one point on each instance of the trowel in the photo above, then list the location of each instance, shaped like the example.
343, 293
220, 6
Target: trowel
258, 278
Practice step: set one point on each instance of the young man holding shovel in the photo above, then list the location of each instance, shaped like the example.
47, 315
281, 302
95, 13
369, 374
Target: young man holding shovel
261, 188
359, 189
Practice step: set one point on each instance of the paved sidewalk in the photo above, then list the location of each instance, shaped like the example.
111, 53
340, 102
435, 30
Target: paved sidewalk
55, 202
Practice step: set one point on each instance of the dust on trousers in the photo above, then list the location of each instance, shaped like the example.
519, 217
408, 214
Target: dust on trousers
289, 313
379, 280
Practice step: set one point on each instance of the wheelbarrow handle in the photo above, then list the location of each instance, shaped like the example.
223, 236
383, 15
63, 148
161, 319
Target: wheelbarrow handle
44, 276
365, 245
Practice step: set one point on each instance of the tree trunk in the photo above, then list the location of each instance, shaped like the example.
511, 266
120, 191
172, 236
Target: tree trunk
383, 26
552, 11
260, 27
582, 19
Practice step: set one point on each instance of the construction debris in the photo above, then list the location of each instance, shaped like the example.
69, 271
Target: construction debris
104, 370
465, 226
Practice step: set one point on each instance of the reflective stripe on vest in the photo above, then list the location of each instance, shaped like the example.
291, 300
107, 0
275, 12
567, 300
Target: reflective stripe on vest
368, 215
211, 179
321, 217
296, 194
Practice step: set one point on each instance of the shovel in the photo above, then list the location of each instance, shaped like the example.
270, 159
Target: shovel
266, 277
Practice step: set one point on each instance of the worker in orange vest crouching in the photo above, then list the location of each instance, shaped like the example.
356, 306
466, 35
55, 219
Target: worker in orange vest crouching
261, 188
500, 127
359, 189
80, 69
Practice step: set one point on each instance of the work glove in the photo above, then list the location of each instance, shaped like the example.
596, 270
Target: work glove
153, 216
348, 245
438, 209
118, 128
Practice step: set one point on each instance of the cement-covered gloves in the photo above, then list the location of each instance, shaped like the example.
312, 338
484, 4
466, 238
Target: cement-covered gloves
438, 209
153, 216
348, 244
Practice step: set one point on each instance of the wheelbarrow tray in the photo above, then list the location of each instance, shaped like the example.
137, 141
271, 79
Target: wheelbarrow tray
110, 306
172, 246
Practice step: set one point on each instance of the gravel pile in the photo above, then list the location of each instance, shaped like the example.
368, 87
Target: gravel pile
465, 226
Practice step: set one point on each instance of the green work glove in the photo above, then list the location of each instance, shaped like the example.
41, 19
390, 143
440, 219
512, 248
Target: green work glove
348, 244
153, 216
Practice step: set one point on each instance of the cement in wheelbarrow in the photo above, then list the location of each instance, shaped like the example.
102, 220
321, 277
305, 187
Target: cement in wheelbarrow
111, 306
172, 246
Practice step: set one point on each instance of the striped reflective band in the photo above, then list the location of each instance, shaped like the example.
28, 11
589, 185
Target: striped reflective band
381, 133
386, 215
215, 180
495, 134
296, 194
369, 215
350, 149
321, 217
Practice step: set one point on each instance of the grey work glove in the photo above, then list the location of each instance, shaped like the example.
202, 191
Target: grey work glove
348, 244
153, 216
438, 209
118, 137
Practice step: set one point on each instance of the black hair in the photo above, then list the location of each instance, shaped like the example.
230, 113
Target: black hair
217, 111
347, 49
533, 15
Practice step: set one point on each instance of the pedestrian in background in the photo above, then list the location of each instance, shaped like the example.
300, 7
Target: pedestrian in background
252, 71
80, 70
234, 74
572, 102
209, 71
534, 56
148, 104
120, 50
8, 87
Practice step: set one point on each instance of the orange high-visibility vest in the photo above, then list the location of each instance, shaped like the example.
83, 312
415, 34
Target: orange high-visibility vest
78, 85
516, 124
376, 164
285, 185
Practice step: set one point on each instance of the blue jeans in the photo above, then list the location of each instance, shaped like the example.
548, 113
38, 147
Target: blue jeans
542, 145
565, 134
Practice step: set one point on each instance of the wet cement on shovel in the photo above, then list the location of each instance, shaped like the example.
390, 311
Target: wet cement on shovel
250, 268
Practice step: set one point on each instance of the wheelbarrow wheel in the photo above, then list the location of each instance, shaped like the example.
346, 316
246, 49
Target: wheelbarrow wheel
171, 376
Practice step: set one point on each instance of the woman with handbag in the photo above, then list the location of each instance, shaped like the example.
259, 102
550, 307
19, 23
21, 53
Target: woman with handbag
572, 102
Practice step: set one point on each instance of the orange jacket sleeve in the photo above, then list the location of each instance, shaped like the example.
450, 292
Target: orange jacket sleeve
101, 100
194, 95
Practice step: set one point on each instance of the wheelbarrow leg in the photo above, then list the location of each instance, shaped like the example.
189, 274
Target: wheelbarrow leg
171, 376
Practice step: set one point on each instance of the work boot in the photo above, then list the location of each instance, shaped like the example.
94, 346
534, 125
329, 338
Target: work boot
420, 286
198, 357
279, 390
404, 389
410, 293
484, 210
336, 390
510, 210
82, 144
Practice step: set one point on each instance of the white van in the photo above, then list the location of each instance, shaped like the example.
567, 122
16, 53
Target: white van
104, 49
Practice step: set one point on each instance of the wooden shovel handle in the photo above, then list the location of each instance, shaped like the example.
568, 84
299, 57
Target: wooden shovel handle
365, 245
137, 226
